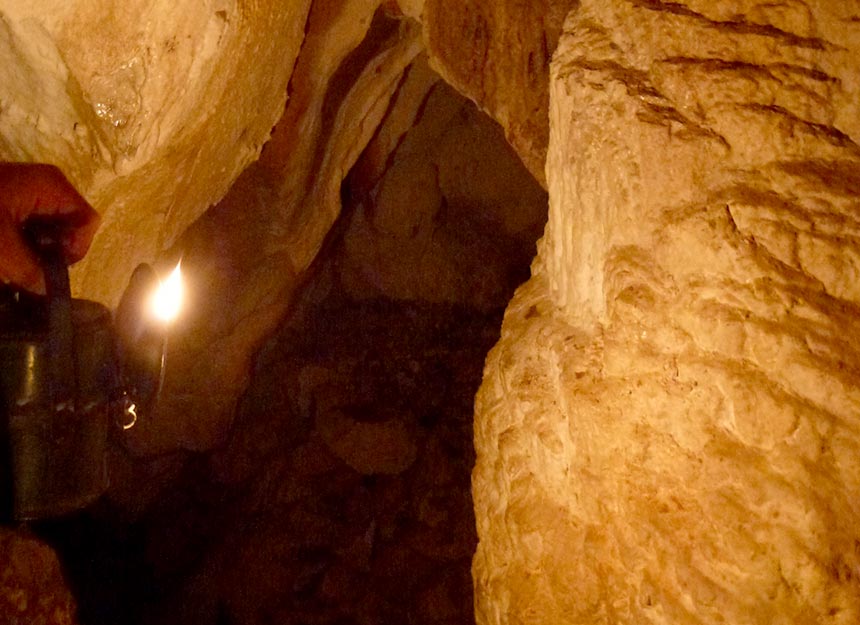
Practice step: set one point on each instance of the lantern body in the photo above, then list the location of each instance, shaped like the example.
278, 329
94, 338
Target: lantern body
58, 379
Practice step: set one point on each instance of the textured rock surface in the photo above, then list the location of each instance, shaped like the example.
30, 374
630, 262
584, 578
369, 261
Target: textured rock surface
32, 588
497, 53
342, 493
447, 216
668, 430
245, 257
152, 158
148, 107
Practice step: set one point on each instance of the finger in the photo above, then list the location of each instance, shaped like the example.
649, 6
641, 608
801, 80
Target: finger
77, 240
18, 264
28, 189
39, 189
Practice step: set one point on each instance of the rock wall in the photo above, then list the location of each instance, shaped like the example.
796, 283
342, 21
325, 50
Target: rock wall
32, 586
497, 53
343, 494
245, 257
667, 431
165, 118
150, 108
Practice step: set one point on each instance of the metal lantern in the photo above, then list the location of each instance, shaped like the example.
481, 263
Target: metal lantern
67, 375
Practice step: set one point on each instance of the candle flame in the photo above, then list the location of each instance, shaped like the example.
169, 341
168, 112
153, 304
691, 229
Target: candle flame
167, 299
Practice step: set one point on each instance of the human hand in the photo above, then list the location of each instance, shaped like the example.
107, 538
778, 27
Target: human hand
40, 192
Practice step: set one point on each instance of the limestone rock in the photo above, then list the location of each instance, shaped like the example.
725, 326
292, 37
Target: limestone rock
244, 257
667, 430
292, 527
32, 588
149, 107
497, 53
445, 211
370, 446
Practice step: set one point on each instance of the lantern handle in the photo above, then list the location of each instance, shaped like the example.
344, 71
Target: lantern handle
44, 238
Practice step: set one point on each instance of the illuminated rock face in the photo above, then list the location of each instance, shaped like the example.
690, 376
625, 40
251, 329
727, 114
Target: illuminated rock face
668, 429
165, 117
149, 107
244, 258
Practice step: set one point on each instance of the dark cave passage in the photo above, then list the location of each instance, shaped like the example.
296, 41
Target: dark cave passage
343, 494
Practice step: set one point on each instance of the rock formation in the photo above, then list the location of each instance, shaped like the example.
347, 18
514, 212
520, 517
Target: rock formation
497, 54
148, 106
667, 430
32, 588
245, 257
343, 491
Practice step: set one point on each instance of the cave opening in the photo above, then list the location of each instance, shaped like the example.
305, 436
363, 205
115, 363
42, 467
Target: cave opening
343, 492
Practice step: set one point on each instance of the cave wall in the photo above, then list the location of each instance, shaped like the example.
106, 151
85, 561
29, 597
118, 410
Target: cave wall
343, 492
149, 107
246, 256
32, 586
157, 162
667, 431
497, 54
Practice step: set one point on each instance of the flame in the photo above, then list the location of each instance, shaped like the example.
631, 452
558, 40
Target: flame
167, 299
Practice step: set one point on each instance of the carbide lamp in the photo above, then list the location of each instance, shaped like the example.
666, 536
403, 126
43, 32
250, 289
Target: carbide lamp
69, 373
